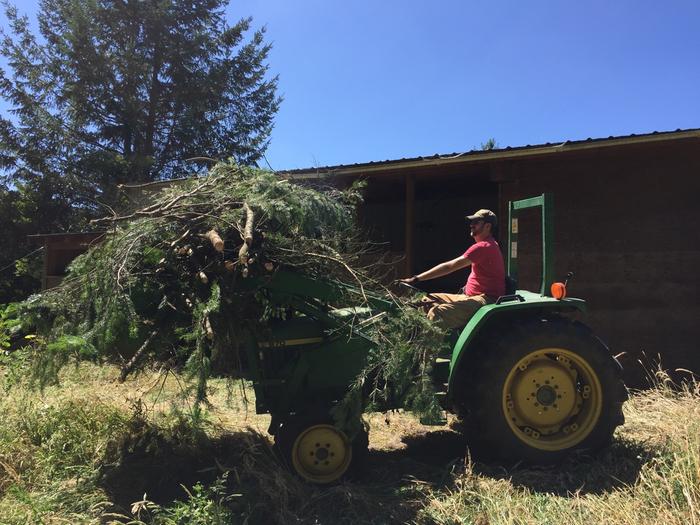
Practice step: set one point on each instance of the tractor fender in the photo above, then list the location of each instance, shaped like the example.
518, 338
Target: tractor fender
528, 305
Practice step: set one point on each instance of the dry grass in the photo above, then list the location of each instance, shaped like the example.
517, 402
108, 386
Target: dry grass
85, 451
650, 475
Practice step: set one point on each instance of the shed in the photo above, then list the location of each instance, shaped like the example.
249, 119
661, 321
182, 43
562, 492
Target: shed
626, 223
59, 250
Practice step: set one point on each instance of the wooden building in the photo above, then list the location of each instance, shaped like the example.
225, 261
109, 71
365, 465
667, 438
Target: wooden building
59, 250
627, 223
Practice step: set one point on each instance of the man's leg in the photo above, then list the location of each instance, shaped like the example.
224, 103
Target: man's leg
455, 310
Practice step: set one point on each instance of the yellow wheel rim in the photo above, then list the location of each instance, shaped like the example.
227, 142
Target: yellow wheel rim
321, 454
552, 399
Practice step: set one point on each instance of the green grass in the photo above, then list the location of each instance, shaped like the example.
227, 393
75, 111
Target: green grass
91, 450
49, 459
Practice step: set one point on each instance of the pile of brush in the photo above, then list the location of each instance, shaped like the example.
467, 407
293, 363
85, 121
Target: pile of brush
163, 285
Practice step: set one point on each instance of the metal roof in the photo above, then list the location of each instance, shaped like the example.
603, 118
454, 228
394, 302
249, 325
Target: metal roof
493, 154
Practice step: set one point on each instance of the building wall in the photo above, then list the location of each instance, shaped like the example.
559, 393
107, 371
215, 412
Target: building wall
59, 251
626, 223
442, 199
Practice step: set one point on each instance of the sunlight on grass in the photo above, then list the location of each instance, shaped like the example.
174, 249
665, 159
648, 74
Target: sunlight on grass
92, 450
663, 434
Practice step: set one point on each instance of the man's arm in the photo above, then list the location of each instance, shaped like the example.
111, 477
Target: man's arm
440, 270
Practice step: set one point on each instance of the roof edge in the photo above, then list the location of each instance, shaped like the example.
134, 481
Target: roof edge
480, 156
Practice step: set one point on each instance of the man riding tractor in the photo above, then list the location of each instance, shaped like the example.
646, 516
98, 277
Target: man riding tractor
486, 282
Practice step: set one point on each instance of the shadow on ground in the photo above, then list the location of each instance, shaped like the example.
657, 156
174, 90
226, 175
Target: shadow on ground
265, 492
436, 456
391, 489
612, 468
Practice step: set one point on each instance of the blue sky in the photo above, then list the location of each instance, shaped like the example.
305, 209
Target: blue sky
385, 79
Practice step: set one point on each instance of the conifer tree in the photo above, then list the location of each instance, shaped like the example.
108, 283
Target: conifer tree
114, 91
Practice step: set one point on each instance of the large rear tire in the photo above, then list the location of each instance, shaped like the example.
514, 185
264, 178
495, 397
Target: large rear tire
546, 389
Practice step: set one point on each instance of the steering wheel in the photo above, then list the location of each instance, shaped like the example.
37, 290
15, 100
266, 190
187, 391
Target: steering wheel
409, 286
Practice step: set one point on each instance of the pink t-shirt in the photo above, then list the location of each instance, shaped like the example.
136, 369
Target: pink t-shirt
488, 273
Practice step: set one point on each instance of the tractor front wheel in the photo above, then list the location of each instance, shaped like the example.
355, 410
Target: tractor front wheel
548, 388
317, 451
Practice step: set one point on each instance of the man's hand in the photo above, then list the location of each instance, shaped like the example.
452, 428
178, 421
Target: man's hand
410, 280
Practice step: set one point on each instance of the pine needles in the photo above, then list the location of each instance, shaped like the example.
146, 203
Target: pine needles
169, 283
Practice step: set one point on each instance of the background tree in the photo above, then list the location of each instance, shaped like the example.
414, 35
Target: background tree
489, 145
115, 91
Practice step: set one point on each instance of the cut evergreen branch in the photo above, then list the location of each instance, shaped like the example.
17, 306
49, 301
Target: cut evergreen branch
171, 284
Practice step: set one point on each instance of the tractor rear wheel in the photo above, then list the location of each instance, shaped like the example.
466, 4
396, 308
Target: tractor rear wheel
548, 388
317, 451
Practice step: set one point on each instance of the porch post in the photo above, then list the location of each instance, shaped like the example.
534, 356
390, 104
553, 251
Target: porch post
410, 223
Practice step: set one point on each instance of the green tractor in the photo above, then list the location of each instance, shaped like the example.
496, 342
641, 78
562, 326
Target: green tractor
529, 383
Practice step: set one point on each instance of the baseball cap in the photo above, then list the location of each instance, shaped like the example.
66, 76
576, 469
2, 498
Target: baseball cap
486, 215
